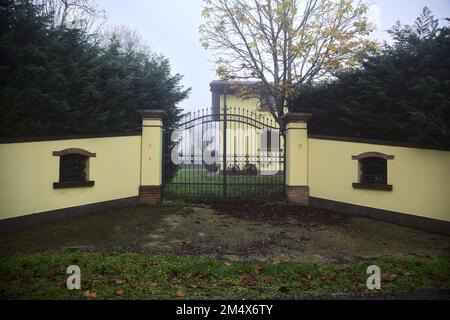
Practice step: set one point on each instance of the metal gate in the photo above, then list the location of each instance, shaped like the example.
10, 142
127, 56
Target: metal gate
234, 154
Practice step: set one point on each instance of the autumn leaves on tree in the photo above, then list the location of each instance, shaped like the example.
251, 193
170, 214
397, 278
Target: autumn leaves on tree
281, 44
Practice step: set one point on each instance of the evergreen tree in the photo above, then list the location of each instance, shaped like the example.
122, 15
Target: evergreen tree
57, 80
401, 94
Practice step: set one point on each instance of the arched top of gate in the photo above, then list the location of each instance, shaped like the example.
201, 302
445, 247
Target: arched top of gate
231, 115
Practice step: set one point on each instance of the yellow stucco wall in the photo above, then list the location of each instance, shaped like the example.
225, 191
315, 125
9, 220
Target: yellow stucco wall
247, 104
250, 104
237, 130
296, 154
420, 177
152, 140
28, 170
244, 139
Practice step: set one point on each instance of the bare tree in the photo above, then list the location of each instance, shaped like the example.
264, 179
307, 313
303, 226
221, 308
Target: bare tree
83, 14
282, 44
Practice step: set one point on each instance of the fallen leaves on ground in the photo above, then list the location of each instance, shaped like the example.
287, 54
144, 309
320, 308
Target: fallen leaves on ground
284, 289
175, 280
119, 292
89, 294
257, 269
63, 283
179, 293
277, 214
148, 283
150, 262
219, 284
329, 277
117, 281
151, 284
387, 277
244, 278
195, 274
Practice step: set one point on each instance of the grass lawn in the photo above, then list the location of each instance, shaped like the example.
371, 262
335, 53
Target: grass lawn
198, 183
148, 276
231, 250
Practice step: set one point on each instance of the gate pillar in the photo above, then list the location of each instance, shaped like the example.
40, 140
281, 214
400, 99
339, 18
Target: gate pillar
297, 190
151, 156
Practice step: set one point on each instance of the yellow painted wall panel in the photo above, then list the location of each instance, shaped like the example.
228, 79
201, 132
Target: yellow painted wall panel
420, 177
28, 170
152, 140
296, 154
243, 139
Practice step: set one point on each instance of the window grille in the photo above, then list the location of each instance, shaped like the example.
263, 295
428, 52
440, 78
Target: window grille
373, 170
73, 168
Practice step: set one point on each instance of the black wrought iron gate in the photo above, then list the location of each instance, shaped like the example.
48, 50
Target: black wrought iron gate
235, 154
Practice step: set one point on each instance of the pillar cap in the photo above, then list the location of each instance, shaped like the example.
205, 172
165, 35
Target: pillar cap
152, 114
296, 117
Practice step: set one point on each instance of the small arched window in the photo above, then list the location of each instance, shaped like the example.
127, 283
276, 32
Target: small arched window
372, 171
73, 168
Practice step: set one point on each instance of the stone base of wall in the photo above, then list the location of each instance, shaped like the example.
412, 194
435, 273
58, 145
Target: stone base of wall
149, 194
297, 195
32, 220
402, 219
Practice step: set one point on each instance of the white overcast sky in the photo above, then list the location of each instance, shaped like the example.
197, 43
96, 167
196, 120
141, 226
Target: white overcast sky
171, 28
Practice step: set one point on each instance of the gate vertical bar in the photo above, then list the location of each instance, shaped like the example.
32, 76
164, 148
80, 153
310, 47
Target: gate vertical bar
224, 156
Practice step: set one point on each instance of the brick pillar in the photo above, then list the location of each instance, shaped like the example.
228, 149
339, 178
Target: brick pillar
297, 190
151, 156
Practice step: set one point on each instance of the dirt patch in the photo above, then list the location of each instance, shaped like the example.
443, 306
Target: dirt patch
237, 232
280, 214
107, 230
277, 233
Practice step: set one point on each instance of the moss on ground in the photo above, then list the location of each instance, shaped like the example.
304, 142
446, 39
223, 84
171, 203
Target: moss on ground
147, 276
240, 233
120, 228
179, 251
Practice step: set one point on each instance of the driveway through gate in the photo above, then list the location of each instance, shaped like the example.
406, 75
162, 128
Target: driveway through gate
234, 154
